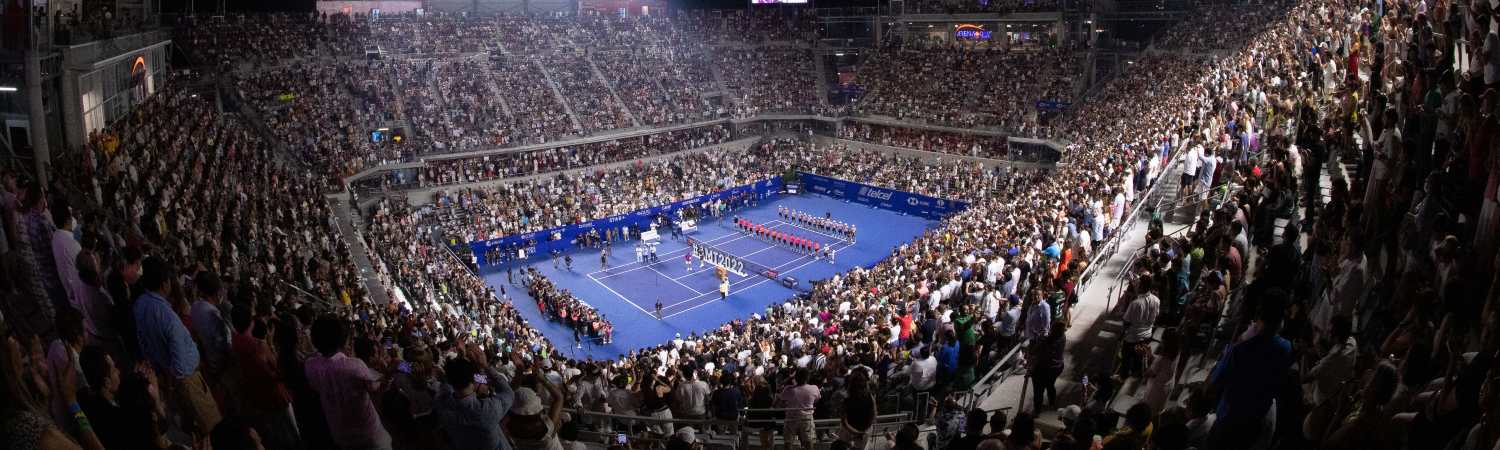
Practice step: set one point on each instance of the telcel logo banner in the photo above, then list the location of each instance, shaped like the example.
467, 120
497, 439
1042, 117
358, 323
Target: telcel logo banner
875, 193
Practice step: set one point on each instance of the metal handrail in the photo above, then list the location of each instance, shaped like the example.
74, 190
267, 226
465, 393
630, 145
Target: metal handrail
986, 384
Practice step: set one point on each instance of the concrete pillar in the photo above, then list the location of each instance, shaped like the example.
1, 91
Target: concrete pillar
42, 155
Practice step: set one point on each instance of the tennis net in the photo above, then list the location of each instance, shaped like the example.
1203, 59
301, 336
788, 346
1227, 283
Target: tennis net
730, 262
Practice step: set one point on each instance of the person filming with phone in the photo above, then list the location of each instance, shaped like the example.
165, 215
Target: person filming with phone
473, 400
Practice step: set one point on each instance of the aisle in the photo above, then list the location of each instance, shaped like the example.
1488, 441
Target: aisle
1092, 339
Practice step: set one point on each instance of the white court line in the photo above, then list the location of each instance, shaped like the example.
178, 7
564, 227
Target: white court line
622, 297
737, 236
758, 283
645, 264
695, 272
674, 280
763, 279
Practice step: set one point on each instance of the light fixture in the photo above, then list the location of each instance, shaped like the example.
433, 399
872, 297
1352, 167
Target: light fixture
8, 89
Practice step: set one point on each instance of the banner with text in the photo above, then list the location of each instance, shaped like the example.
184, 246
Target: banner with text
903, 202
564, 237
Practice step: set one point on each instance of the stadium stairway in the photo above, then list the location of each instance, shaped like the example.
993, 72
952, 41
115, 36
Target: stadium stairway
557, 93
594, 68
820, 74
1093, 338
347, 216
489, 82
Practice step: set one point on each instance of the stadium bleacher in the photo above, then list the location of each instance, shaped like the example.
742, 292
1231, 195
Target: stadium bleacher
1276, 210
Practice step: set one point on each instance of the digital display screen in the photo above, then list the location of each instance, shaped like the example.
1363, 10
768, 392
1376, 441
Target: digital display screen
977, 35
971, 32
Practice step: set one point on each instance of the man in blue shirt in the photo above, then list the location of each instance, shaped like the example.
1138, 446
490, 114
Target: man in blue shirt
1249, 376
947, 355
1038, 317
470, 411
169, 347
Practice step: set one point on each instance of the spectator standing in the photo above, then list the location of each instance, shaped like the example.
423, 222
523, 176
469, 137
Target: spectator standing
98, 306
798, 400
531, 425
691, 396
168, 346
210, 325
1249, 376
1140, 319
100, 401
344, 386
1137, 430
859, 411
727, 400
265, 402
470, 412
1047, 365
65, 248
35, 313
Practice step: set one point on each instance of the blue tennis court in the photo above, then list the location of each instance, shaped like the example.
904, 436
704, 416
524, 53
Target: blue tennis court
626, 290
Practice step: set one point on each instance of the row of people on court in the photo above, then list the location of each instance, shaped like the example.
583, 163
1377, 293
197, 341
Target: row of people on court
825, 223
798, 243
560, 305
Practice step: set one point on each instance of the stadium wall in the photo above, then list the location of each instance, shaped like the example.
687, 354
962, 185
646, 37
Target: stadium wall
422, 196
563, 238
927, 156
888, 199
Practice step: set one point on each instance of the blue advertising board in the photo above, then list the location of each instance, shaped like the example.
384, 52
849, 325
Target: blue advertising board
564, 237
899, 201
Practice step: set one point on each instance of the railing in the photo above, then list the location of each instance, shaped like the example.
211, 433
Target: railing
1128, 223
986, 384
716, 433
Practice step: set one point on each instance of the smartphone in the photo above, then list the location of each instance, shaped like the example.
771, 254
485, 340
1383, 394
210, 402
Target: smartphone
621, 439
404, 367
481, 379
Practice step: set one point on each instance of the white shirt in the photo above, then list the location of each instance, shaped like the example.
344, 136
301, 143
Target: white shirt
1192, 159
65, 251
992, 304
923, 373
1140, 317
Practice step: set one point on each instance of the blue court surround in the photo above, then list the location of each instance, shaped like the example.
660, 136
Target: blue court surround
627, 291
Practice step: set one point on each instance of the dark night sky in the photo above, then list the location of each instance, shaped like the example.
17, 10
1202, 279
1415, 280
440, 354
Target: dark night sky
171, 6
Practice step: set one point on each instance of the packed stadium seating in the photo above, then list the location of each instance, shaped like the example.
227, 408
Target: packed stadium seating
185, 278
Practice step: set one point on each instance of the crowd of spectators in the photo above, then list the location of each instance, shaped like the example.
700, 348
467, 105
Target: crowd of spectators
553, 201
765, 80
1372, 330
296, 95
964, 86
435, 34
561, 305
587, 94
140, 283
933, 141
514, 164
268, 40
470, 82
659, 86
1215, 27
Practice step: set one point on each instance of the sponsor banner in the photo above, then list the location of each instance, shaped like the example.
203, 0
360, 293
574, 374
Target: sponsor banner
564, 237
899, 201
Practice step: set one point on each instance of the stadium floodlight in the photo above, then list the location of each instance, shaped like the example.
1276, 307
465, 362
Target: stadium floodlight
8, 89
